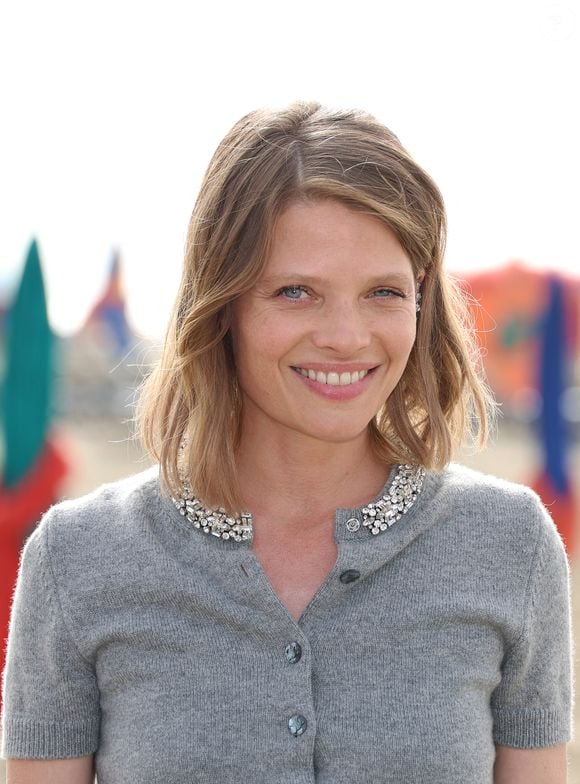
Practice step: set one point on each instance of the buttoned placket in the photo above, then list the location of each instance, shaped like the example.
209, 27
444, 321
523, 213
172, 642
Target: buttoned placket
297, 715
292, 690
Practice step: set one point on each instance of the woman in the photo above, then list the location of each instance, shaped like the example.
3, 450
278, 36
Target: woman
308, 591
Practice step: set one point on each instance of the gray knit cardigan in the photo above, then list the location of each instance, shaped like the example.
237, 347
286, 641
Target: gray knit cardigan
166, 652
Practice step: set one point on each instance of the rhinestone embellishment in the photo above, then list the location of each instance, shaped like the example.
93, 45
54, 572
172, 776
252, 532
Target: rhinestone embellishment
214, 521
400, 497
378, 516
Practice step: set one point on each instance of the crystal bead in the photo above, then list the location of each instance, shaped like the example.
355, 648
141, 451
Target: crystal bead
401, 495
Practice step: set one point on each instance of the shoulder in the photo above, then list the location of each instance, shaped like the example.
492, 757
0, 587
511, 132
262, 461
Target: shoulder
458, 479
467, 490
507, 514
100, 523
108, 502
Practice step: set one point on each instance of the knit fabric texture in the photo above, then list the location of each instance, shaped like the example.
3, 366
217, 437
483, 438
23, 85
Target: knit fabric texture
166, 652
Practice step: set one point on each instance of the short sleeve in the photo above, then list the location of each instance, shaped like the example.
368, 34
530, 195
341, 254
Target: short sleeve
532, 704
51, 706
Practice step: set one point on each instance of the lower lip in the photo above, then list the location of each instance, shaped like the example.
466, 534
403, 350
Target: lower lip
337, 392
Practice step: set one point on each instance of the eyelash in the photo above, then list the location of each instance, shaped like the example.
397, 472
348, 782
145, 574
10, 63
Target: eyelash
394, 292
281, 292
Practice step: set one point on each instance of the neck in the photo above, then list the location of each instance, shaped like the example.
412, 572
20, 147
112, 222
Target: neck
283, 473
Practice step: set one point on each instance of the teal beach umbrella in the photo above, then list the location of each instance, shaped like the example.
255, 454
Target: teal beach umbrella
25, 394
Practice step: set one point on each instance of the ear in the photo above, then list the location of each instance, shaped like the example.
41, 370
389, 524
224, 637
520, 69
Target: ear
420, 278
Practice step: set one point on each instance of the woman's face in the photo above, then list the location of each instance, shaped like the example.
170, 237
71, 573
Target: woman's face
323, 338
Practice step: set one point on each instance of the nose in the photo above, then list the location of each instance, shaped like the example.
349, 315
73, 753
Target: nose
342, 329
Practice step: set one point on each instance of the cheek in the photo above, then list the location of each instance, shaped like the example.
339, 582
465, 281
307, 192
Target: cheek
269, 337
256, 351
246, 335
399, 336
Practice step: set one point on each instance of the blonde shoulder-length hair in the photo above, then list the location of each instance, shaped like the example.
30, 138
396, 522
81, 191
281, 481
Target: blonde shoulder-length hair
189, 411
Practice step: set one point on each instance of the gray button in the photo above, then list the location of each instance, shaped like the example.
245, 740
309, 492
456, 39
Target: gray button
293, 652
353, 524
297, 724
349, 576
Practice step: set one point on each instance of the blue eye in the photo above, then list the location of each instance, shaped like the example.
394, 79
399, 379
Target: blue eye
387, 293
293, 292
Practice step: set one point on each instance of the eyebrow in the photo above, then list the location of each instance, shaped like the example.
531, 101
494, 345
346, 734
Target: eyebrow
395, 278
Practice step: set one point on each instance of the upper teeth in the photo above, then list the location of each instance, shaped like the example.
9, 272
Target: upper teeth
334, 379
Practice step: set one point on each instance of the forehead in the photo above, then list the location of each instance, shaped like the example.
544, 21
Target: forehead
327, 234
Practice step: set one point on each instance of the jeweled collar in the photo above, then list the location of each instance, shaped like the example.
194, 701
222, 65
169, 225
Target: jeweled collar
378, 516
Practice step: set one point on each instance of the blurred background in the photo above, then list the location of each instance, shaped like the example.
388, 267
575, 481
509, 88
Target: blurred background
109, 116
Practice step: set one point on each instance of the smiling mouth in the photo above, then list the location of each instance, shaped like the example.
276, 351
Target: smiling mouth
333, 379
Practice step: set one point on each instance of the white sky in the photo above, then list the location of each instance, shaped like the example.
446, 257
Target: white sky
110, 111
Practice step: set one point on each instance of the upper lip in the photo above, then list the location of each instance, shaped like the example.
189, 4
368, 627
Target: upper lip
333, 367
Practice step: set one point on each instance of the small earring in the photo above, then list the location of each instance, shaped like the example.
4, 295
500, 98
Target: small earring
418, 301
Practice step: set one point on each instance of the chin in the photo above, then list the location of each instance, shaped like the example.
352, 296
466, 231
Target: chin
334, 434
